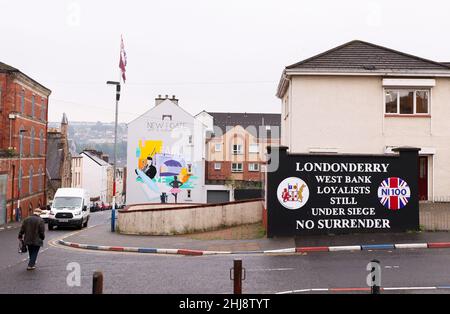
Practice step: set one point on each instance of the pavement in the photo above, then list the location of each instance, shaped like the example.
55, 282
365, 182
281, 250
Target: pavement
12, 225
101, 238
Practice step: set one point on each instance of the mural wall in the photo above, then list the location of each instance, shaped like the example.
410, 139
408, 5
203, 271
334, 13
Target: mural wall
163, 174
165, 157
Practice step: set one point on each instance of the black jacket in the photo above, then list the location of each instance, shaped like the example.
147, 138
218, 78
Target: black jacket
33, 228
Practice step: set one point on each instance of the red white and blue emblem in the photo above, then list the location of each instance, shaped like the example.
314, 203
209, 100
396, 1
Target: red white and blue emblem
394, 193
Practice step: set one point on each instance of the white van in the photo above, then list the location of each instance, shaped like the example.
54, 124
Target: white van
70, 207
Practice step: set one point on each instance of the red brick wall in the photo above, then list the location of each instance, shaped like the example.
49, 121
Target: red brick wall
11, 103
225, 172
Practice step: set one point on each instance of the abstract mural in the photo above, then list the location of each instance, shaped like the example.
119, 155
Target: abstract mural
163, 174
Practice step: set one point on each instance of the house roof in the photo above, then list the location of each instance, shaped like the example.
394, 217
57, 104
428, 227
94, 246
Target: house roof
97, 160
366, 56
227, 120
363, 58
9, 69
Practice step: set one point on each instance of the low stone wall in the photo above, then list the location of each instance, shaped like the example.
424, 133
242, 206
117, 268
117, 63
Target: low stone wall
435, 216
170, 219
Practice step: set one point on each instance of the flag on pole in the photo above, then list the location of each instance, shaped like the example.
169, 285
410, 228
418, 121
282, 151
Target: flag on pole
123, 59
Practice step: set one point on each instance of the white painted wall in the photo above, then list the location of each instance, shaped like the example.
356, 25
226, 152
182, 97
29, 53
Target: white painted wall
345, 114
95, 178
187, 220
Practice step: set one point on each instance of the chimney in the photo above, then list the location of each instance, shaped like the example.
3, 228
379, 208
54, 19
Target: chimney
158, 100
174, 100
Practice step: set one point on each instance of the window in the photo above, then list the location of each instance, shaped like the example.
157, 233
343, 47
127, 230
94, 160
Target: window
236, 167
32, 106
218, 147
43, 110
253, 148
21, 141
40, 179
22, 101
189, 193
189, 168
41, 143
217, 166
407, 101
30, 182
32, 142
237, 149
253, 167
190, 139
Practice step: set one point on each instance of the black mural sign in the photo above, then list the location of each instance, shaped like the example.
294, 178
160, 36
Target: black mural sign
333, 194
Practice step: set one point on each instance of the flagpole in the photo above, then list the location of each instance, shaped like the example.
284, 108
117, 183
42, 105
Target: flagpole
113, 209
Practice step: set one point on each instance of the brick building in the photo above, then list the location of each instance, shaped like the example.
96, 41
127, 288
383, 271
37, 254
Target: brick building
236, 149
23, 128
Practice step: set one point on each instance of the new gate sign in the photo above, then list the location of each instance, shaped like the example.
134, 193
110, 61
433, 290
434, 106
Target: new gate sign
321, 194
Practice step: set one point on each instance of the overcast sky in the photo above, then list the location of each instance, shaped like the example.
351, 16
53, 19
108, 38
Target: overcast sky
214, 55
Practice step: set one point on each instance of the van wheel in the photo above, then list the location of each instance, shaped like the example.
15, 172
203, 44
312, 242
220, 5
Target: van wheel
80, 226
86, 223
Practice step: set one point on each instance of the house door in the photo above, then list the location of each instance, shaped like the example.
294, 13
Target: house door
3, 183
423, 178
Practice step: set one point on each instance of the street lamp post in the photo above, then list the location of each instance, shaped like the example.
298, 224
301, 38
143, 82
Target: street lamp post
20, 172
113, 210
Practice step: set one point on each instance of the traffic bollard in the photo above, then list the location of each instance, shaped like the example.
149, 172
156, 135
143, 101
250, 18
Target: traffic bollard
97, 283
236, 275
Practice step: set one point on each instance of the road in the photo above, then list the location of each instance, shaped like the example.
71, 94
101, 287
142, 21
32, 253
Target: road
151, 273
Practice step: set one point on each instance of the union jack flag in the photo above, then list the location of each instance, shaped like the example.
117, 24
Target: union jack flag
394, 193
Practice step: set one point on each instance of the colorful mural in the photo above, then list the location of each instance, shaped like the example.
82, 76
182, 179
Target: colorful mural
163, 174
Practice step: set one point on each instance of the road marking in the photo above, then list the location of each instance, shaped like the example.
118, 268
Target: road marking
271, 269
362, 289
2, 228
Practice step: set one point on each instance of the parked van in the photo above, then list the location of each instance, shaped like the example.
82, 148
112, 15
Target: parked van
70, 207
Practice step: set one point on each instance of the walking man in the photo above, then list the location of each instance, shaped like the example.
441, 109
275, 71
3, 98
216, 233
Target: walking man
33, 234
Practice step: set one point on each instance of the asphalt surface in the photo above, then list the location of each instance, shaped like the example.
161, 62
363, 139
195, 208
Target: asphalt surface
265, 274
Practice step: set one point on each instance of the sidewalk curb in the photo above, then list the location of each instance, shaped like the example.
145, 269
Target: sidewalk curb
186, 252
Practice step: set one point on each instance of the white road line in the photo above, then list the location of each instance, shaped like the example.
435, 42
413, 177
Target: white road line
271, 269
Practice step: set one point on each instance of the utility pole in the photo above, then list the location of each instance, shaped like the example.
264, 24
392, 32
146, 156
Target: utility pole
113, 210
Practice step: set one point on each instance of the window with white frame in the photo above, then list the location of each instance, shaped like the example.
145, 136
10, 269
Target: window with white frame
253, 167
407, 101
217, 166
217, 147
253, 148
189, 193
236, 167
237, 149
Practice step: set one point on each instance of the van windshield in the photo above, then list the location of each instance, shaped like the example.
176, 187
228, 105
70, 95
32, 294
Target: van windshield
67, 202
